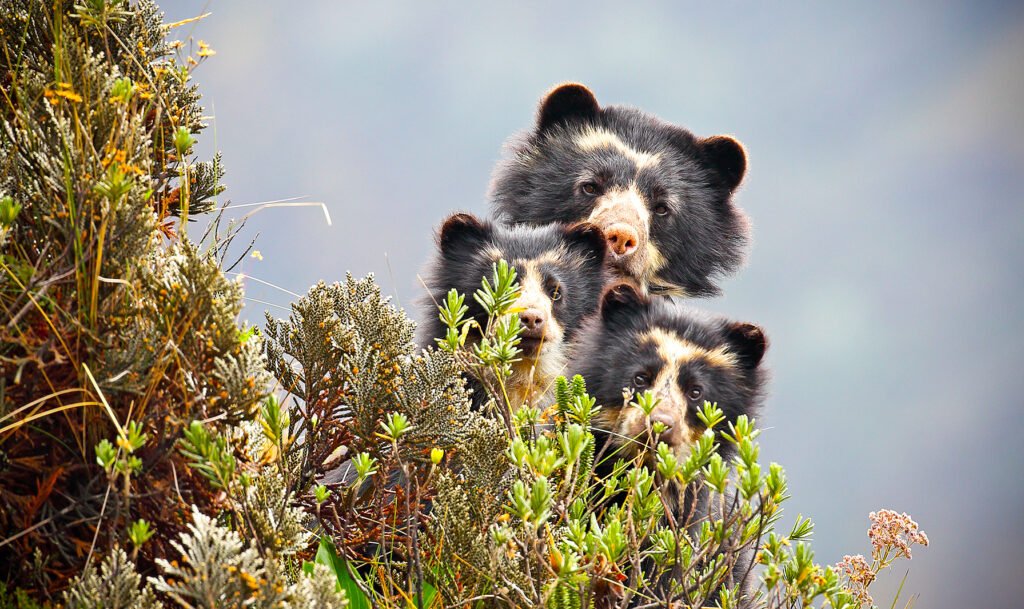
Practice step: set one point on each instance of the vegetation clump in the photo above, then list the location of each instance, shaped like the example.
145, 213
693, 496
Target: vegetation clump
155, 452
118, 331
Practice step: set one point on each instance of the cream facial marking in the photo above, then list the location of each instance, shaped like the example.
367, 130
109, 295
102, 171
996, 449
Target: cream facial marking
533, 296
655, 285
675, 351
655, 261
555, 256
592, 138
626, 207
622, 204
533, 376
650, 280
558, 256
632, 422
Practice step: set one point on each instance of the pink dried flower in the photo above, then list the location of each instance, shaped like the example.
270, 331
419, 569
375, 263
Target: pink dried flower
892, 531
860, 576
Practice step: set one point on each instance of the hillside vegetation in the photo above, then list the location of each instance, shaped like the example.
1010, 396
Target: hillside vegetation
155, 452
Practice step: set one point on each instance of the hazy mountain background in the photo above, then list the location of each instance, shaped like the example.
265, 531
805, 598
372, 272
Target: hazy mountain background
886, 145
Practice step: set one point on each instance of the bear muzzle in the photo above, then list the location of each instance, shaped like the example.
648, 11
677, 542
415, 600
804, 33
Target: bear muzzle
622, 238
531, 337
624, 219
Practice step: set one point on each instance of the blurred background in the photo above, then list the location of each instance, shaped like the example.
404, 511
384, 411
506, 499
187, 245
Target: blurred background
885, 183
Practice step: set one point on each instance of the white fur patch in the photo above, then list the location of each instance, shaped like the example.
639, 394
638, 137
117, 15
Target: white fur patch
533, 378
675, 351
627, 205
592, 138
650, 279
610, 203
631, 424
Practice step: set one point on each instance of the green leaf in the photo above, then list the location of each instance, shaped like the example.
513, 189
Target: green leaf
429, 594
139, 532
183, 140
802, 528
105, 453
497, 298
646, 402
325, 555
321, 493
396, 425
8, 211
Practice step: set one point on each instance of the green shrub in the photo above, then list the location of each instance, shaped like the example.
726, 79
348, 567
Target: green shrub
153, 452
118, 331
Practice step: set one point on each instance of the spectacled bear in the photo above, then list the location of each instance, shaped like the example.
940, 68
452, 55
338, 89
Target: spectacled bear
662, 195
684, 357
637, 343
561, 271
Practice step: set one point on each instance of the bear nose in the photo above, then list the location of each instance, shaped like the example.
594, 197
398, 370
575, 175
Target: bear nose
533, 320
668, 421
622, 239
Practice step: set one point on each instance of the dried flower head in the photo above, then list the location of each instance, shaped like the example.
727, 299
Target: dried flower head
891, 531
860, 575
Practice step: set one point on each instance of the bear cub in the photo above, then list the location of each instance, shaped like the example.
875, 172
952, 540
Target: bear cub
561, 272
683, 357
662, 195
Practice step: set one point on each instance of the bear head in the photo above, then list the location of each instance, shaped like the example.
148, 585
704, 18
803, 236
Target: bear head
662, 195
561, 271
684, 357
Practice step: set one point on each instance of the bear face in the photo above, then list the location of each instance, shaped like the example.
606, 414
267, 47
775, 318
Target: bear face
662, 195
685, 358
561, 271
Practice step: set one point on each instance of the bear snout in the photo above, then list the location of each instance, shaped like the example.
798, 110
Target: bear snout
641, 428
622, 238
671, 431
533, 323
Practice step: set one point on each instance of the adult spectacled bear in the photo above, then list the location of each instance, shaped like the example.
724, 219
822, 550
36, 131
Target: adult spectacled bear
662, 195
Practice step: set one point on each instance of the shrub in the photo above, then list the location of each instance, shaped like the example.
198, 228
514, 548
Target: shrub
118, 331
153, 452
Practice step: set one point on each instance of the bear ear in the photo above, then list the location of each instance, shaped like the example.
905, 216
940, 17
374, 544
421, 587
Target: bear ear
748, 342
587, 238
621, 301
565, 104
462, 229
727, 156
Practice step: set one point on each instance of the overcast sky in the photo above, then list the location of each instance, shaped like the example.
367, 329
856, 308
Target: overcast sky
886, 145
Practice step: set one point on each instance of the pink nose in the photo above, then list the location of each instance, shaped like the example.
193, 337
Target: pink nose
668, 421
622, 239
533, 320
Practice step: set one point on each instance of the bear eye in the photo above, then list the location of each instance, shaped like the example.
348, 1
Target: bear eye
694, 393
590, 189
553, 288
661, 210
641, 380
